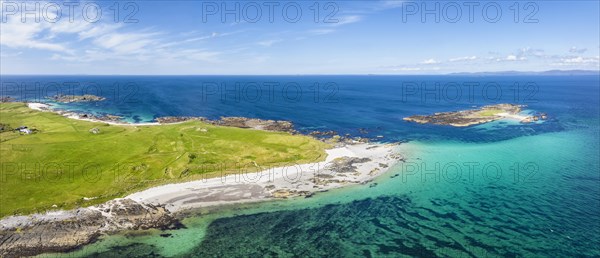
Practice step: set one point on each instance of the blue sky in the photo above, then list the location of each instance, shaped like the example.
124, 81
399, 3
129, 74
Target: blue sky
347, 37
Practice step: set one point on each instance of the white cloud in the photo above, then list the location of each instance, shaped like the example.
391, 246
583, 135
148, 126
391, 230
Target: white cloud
82, 41
16, 34
577, 50
523, 53
127, 43
578, 61
511, 58
462, 59
195, 37
390, 4
430, 61
98, 30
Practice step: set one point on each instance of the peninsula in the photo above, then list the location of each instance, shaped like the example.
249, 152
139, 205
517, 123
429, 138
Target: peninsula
76, 179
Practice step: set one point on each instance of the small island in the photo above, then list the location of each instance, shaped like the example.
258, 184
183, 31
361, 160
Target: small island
470, 117
76, 98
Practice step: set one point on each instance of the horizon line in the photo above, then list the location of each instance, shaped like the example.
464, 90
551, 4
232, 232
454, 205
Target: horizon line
318, 74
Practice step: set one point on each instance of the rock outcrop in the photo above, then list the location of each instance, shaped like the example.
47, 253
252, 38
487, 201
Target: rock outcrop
76, 98
240, 122
6, 99
346, 164
67, 230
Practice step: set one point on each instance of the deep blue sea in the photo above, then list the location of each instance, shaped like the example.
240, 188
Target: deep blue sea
541, 198
345, 104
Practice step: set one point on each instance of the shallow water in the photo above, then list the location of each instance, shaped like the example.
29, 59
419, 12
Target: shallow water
549, 211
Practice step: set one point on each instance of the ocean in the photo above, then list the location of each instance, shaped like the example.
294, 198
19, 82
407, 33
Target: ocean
497, 189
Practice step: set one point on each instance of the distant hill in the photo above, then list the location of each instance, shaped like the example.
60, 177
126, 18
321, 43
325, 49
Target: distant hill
551, 72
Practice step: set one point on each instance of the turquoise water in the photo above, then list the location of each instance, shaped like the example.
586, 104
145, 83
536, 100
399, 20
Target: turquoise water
493, 190
547, 210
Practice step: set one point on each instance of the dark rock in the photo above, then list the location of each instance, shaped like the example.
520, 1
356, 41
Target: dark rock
76, 98
34, 235
346, 164
6, 99
240, 122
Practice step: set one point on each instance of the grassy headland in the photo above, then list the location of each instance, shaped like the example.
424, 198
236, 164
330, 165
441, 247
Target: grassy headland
64, 165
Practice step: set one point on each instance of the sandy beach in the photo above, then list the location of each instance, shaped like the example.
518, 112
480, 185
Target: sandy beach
351, 164
517, 117
347, 165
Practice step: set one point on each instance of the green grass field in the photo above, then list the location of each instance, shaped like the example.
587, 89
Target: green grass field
490, 112
65, 165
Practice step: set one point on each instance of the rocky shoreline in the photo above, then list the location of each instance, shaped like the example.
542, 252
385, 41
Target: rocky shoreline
62, 231
76, 98
6, 99
331, 137
240, 122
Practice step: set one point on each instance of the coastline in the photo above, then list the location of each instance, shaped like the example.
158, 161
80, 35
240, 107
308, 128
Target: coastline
158, 207
74, 115
350, 164
240, 122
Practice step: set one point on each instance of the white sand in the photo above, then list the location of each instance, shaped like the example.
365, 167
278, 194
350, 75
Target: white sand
513, 116
38, 106
281, 182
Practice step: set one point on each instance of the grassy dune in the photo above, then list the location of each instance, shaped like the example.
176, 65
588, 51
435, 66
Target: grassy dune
67, 166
